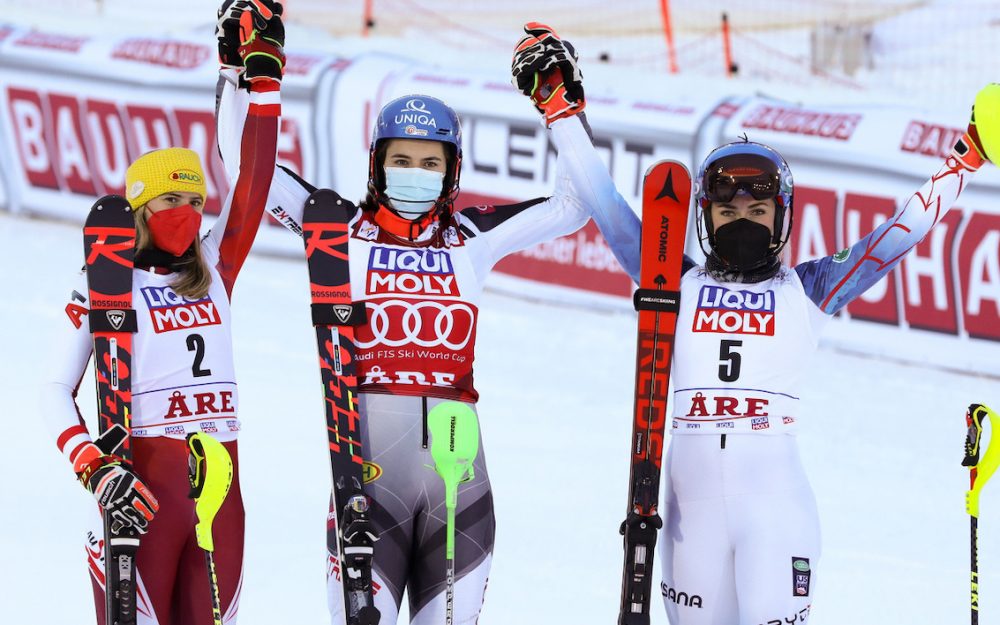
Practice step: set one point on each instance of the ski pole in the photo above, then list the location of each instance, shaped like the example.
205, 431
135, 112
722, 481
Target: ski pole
980, 471
454, 430
210, 471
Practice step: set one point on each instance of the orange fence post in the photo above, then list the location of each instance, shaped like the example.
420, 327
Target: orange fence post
727, 48
669, 33
369, 18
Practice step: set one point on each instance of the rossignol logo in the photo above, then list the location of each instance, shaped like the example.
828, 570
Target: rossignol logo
416, 112
320, 293
116, 318
411, 272
170, 311
343, 312
186, 175
734, 312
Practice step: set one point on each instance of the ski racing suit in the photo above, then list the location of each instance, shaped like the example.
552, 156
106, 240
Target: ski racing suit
182, 382
416, 350
740, 542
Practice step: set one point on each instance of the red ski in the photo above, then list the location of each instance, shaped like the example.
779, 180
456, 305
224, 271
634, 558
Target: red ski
666, 195
109, 244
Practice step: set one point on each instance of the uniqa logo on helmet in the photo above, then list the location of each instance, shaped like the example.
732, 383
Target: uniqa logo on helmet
415, 113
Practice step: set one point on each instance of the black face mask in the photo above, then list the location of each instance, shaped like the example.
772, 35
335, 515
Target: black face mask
743, 244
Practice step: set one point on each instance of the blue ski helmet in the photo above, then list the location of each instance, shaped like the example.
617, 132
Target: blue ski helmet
417, 117
745, 167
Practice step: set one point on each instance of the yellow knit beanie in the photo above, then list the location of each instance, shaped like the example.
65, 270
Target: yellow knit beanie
163, 171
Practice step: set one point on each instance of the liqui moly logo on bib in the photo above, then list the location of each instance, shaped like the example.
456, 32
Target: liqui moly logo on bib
411, 272
170, 311
729, 311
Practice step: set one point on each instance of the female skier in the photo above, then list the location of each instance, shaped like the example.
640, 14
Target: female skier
419, 265
182, 370
740, 541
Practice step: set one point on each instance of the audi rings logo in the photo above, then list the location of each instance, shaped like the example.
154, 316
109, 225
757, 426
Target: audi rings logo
399, 323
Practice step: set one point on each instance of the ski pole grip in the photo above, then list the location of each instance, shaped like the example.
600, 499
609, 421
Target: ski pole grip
211, 475
987, 460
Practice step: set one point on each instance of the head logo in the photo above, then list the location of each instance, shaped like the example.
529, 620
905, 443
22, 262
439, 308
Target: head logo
371, 472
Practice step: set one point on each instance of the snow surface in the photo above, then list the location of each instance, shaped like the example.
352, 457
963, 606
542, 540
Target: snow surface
882, 443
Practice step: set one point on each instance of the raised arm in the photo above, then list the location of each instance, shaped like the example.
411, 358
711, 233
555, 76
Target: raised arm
286, 192
544, 68
834, 281
251, 158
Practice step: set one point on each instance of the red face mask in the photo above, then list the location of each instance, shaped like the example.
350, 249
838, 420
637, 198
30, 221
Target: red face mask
173, 230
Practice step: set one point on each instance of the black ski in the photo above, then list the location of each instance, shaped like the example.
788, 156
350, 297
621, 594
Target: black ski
335, 314
109, 245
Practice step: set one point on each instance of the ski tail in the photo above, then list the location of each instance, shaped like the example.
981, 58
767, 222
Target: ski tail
665, 206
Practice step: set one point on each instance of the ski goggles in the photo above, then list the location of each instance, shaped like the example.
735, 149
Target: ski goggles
754, 174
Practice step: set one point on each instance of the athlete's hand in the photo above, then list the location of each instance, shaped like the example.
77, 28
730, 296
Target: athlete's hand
120, 492
544, 67
227, 33
251, 39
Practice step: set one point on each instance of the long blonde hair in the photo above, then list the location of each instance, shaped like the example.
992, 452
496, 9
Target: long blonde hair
193, 278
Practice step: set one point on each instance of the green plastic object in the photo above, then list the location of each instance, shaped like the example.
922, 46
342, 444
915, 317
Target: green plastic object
454, 430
